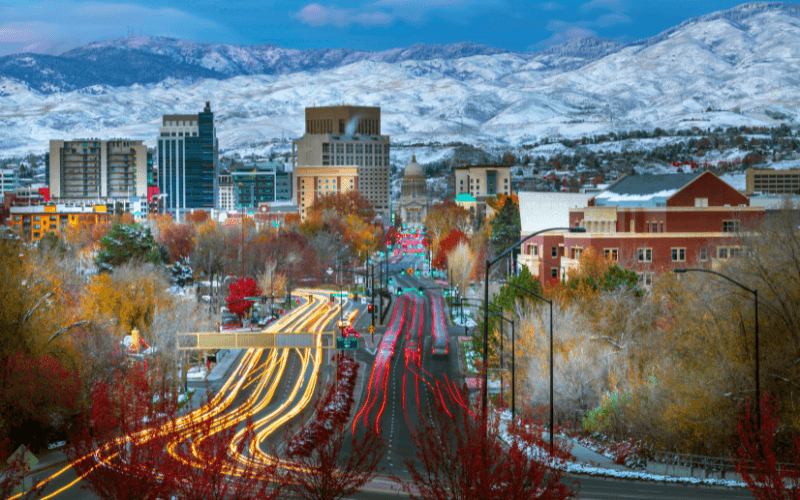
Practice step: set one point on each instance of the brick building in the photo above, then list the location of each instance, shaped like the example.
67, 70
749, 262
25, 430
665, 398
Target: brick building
650, 224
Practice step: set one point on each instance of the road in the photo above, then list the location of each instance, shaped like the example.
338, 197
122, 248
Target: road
403, 376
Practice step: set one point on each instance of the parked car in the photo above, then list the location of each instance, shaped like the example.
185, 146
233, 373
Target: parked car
230, 323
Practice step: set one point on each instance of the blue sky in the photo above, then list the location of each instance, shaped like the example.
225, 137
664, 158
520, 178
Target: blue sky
53, 26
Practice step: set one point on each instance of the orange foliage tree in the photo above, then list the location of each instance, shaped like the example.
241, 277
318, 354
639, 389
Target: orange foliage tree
178, 238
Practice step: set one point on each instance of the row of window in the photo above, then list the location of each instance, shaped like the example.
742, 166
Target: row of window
643, 254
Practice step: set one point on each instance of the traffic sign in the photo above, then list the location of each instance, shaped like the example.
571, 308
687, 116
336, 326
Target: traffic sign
371, 328
410, 270
346, 343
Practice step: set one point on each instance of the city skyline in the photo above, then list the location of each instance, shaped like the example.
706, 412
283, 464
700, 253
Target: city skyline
50, 28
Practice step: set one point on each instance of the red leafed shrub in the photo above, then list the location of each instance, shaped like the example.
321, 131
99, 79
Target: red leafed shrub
121, 439
446, 245
37, 396
622, 450
458, 455
332, 410
238, 290
329, 462
757, 457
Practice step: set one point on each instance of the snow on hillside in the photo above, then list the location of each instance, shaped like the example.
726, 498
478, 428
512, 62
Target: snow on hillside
733, 68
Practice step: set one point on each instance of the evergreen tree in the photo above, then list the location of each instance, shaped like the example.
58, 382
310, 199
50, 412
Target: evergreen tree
126, 243
506, 225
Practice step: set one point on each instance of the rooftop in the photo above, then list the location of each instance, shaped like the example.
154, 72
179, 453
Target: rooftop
644, 190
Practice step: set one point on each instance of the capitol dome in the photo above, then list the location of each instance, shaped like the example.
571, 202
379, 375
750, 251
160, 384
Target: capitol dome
413, 170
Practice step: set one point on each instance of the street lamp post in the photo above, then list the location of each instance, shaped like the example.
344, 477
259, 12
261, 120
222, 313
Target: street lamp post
551, 356
755, 296
489, 264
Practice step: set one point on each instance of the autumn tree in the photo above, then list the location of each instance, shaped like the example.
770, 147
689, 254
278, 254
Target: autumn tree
197, 217
442, 218
209, 250
446, 246
769, 471
346, 204
213, 464
179, 240
128, 296
239, 291
38, 361
128, 434
461, 262
458, 456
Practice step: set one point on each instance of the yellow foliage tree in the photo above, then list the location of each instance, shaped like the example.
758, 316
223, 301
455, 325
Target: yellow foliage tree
127, 297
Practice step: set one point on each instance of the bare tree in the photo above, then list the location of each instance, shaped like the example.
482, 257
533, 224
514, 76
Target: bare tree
461, 262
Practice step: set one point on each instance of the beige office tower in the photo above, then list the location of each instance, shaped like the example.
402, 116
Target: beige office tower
344, 143
95, 169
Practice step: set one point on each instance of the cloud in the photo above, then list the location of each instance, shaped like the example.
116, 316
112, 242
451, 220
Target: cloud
53, 26
316, 15
420, 10
565, 35
611, 19
550, 6
613, 5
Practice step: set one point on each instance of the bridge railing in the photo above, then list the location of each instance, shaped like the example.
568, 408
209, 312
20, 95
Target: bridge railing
700, 466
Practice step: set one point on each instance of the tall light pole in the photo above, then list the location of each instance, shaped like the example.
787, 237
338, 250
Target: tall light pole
489, 264
755, 295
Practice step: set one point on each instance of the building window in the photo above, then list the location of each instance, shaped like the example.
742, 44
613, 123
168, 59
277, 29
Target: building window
554, 252
611, 253
678, 255
576, 253
730, 226
703, 255
662, 228
645, 279
645, 255
701, 202
554, 272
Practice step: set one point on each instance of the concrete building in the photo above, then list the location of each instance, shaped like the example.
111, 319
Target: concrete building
314, 182
347, 136
413, 205
261, 183
8, 181
481, 182
188, 162
227, 196
647, 223
34, 222
87, 169
772, 181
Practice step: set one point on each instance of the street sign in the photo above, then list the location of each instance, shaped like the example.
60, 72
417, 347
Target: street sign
410, 271
371, 328
346, 343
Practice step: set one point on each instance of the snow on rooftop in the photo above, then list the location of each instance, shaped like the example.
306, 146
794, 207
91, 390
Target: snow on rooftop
612, 197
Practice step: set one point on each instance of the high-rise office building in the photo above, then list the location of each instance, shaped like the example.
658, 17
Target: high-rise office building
261, 183
188, 162
337, 139
96, 169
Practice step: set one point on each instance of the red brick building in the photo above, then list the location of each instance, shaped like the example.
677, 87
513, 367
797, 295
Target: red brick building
650, 224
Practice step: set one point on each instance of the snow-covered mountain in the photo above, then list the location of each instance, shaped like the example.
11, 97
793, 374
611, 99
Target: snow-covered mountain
728, 68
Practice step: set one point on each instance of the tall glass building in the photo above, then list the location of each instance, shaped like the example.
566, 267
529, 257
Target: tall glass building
188, 162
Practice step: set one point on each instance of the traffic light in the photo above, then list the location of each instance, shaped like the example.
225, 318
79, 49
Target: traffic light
422, 290
331, 297
369, 308
355, 295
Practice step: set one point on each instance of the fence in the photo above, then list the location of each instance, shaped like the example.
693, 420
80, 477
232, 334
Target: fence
699, 466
